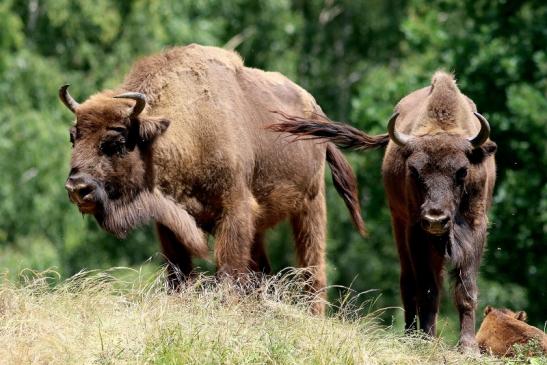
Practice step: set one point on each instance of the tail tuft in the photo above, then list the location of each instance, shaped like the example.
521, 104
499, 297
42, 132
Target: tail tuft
345, 183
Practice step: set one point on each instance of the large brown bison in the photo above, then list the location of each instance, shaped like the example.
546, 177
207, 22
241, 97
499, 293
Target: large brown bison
502, 328
182, 141
439, 174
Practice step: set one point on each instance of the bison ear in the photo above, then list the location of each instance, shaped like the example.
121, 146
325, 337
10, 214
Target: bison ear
487, 310
479, 154
151, 127
521, 316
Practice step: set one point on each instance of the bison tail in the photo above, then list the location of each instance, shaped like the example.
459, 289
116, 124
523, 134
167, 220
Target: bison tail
345, 183
341, 134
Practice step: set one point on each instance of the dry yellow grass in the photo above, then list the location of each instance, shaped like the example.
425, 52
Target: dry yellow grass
96, 318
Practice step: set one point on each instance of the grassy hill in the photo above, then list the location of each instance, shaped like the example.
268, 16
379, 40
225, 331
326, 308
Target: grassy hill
125, 316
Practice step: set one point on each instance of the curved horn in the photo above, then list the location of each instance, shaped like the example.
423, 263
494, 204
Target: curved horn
483, 134
65, 97
140, 102
399, 138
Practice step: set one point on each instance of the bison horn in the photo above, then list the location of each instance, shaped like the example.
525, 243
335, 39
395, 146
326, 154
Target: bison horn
65, 97
483, 134
399, 138
140, 100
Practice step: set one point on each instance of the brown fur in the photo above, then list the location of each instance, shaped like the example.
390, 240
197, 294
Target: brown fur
436, 172
503, 328
198, 158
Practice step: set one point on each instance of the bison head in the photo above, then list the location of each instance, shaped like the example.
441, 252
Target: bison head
111, 145
440, 170
111, 169
520, 315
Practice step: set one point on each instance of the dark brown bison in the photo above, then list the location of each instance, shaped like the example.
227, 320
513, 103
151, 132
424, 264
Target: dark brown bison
182, 142
503, 328
439, 174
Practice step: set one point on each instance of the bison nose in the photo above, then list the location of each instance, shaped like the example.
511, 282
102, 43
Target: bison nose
78, 191
435, 222
441, 219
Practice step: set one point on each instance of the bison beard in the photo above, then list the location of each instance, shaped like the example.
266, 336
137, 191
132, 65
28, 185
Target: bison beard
119, 217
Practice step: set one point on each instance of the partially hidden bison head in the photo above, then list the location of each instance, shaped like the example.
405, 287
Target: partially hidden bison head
111, 169
502, 328
440, 169
520, 315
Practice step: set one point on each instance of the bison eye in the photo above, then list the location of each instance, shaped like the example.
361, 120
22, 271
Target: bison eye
414, 172
111, 147
461, 174
72, 134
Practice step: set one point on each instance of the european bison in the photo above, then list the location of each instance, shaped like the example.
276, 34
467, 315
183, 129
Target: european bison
182, 141
502, 328
439, 173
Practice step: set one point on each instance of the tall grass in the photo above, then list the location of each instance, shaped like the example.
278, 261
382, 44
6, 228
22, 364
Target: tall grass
99, 318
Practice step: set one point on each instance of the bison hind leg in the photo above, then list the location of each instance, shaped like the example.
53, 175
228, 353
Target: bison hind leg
309, 237
177, 256
234, 235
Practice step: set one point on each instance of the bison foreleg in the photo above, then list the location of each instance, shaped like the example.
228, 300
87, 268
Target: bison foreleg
465, 292
428, 265
177, 256
428, 299
408, 295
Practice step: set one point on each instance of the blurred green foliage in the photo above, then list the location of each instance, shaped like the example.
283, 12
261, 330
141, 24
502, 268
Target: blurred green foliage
356, 57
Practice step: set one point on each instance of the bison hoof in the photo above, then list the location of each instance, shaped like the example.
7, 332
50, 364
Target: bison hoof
468, 345
233, 276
